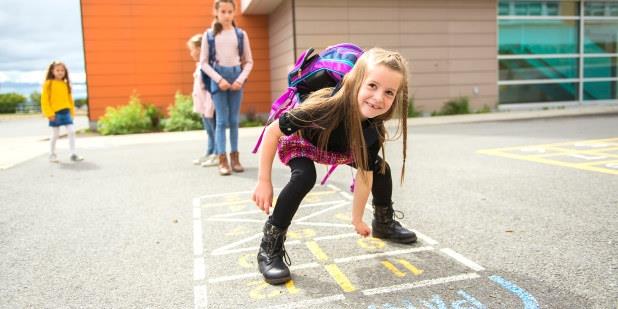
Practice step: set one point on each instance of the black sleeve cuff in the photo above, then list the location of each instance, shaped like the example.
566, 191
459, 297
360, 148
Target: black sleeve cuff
285, 125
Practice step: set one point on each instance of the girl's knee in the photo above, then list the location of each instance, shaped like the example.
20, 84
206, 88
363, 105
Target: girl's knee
221, 124
234, 124
304, 179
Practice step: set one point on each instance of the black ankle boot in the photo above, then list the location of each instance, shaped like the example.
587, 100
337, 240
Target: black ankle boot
386, 227
272, 258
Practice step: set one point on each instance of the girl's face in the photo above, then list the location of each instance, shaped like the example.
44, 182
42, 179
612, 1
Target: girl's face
378, 91
59, 72
194, 52
225, 13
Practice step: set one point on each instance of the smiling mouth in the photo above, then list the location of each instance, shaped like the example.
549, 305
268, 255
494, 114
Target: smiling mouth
373, 106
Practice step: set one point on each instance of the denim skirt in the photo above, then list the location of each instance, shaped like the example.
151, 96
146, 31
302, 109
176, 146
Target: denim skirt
63, 118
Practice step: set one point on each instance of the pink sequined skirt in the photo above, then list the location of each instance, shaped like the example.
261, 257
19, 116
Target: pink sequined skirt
294, 146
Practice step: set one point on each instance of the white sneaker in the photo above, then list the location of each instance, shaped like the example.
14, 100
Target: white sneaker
53, 158
200, 160
212, 160
76, 158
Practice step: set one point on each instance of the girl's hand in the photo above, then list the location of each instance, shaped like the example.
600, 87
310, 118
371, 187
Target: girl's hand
236, 86
263, 196
223, 84
52, 118
361, 228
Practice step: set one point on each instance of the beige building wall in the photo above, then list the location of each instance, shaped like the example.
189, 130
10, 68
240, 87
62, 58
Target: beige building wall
281, 47
450, 44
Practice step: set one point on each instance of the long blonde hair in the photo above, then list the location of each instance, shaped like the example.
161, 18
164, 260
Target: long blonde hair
195, 41
327, 112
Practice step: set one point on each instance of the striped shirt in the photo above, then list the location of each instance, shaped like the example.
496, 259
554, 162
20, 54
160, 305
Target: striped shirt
226, 43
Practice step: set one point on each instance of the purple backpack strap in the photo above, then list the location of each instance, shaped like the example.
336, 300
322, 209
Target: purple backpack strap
281, 105
330, 171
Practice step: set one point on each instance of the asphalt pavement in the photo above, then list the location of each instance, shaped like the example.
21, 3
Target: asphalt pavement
515, 212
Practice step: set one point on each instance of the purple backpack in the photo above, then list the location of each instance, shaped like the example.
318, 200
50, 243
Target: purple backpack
313, 72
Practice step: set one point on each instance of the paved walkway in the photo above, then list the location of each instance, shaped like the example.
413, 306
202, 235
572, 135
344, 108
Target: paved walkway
18, 145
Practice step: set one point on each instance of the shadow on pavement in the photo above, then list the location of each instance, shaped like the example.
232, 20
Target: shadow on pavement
79, 166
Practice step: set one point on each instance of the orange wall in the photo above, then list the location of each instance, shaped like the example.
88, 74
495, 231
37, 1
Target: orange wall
140, 45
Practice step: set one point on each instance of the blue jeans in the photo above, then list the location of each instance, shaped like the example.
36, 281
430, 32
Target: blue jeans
227, 108
209, 126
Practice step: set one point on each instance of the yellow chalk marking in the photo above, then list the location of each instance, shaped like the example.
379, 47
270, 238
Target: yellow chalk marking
260, 291
340, 278
597, 162
314, 197
343, 217
321, 193
243, 260
317, 251
291, 287
410, 267
580, 166
302, 234
393, 269
370, 243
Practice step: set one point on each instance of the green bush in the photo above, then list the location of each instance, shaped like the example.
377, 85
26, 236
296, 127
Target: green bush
35, 97
411, 111
155, 116
454, 106
251, 119
181, 115
9, 102
127, 119
485, 109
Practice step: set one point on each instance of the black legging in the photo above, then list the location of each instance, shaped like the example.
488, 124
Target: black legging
302, 181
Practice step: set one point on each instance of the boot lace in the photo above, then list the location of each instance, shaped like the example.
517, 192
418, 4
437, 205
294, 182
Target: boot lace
286, 257
272, 246
398, 214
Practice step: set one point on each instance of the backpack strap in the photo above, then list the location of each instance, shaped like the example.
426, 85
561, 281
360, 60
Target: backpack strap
281, 105
240, 35
212, 52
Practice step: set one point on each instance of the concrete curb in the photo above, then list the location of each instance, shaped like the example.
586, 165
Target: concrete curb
517, 115
16, 150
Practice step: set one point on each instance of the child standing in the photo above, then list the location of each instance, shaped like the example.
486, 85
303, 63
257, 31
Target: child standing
328, 128
228, 77
202, 104
57, 105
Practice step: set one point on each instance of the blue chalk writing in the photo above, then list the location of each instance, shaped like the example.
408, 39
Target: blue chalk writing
436, 302
528, 300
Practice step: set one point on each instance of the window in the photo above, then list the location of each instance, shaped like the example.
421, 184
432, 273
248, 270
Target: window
600, 90
600, 67
542, 68
530, 37
601, 36
551, 51
538, 93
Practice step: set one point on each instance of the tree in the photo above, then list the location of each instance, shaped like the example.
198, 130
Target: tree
35, 97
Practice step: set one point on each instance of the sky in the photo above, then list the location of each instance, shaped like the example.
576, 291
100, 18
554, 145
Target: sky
33, 33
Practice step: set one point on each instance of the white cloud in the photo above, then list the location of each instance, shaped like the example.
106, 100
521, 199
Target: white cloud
36, 76
33, 33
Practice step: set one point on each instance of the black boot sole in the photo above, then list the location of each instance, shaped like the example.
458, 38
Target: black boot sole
277, 281
408, 240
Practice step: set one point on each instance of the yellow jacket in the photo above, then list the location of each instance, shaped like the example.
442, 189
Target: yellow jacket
55, 96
